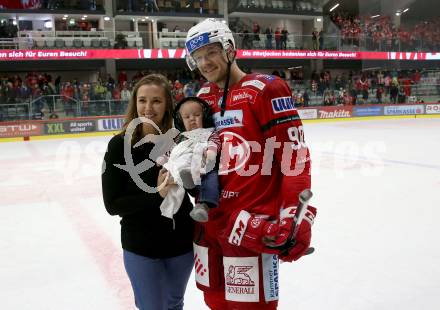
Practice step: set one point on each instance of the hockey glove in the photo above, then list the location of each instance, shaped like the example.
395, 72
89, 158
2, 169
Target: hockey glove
292, 247
258, 234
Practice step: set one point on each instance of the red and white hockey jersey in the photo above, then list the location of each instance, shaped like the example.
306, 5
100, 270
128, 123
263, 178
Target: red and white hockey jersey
264, 162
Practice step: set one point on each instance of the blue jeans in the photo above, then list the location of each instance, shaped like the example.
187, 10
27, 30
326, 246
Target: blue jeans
209, 189
158, 284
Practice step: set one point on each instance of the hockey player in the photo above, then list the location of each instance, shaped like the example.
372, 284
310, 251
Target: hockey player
264, 166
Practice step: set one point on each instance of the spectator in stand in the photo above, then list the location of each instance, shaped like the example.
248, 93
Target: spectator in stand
122, 77
407, 87
85, 99
189, 89
394, 90
315, 39
306, 98
277, 38
151, 6
379, 94
125, 97
364, 88
67, 93
314, 87
58, 85
116, 101
321, 39
284, 34
247, 40
178, 91
256, 31
269, 36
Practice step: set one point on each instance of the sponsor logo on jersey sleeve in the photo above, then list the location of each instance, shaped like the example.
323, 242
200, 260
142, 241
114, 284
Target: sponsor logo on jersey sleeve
255, 83
232, 118
282, 104
204, 90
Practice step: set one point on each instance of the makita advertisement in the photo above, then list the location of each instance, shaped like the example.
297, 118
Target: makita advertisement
335, 112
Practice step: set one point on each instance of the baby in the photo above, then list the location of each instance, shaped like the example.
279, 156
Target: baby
192, 161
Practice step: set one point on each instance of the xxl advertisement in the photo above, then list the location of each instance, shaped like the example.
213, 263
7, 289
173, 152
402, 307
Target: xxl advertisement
63, 127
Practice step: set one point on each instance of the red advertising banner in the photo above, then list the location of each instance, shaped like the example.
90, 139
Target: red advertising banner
335, 112
20, 130
18, 55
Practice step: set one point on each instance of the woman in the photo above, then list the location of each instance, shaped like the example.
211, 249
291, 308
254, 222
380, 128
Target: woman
157, 252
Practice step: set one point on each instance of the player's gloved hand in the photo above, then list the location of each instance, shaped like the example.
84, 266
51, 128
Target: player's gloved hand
258, 234
247, 230
296, 248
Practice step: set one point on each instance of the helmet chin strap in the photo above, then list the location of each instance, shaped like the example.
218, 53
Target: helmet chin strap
226, 87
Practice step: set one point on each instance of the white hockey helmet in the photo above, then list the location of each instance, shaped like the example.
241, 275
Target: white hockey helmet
206, 32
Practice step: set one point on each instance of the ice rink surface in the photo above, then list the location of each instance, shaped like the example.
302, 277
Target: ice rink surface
376, 185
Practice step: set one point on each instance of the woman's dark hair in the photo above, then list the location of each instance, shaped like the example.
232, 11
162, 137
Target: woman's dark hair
167, 121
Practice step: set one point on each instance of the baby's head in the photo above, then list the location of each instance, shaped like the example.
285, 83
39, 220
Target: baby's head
192, 113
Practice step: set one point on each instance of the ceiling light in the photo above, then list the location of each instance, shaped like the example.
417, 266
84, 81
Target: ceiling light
374, 16
405, 10
106, 18
66, 16
334, 7
397, 13
319, 20
48, 24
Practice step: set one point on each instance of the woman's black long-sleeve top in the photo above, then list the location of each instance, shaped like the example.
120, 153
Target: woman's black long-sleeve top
144, 231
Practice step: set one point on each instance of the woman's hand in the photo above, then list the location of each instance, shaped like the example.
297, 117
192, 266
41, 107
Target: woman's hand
164, 182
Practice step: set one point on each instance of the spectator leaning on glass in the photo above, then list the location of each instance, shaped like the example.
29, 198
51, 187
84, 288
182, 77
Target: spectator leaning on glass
157, 252
237, 250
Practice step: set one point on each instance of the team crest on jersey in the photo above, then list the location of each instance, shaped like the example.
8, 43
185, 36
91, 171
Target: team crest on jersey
243, 95
255, 83
232, 118
236, 152
282, 104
